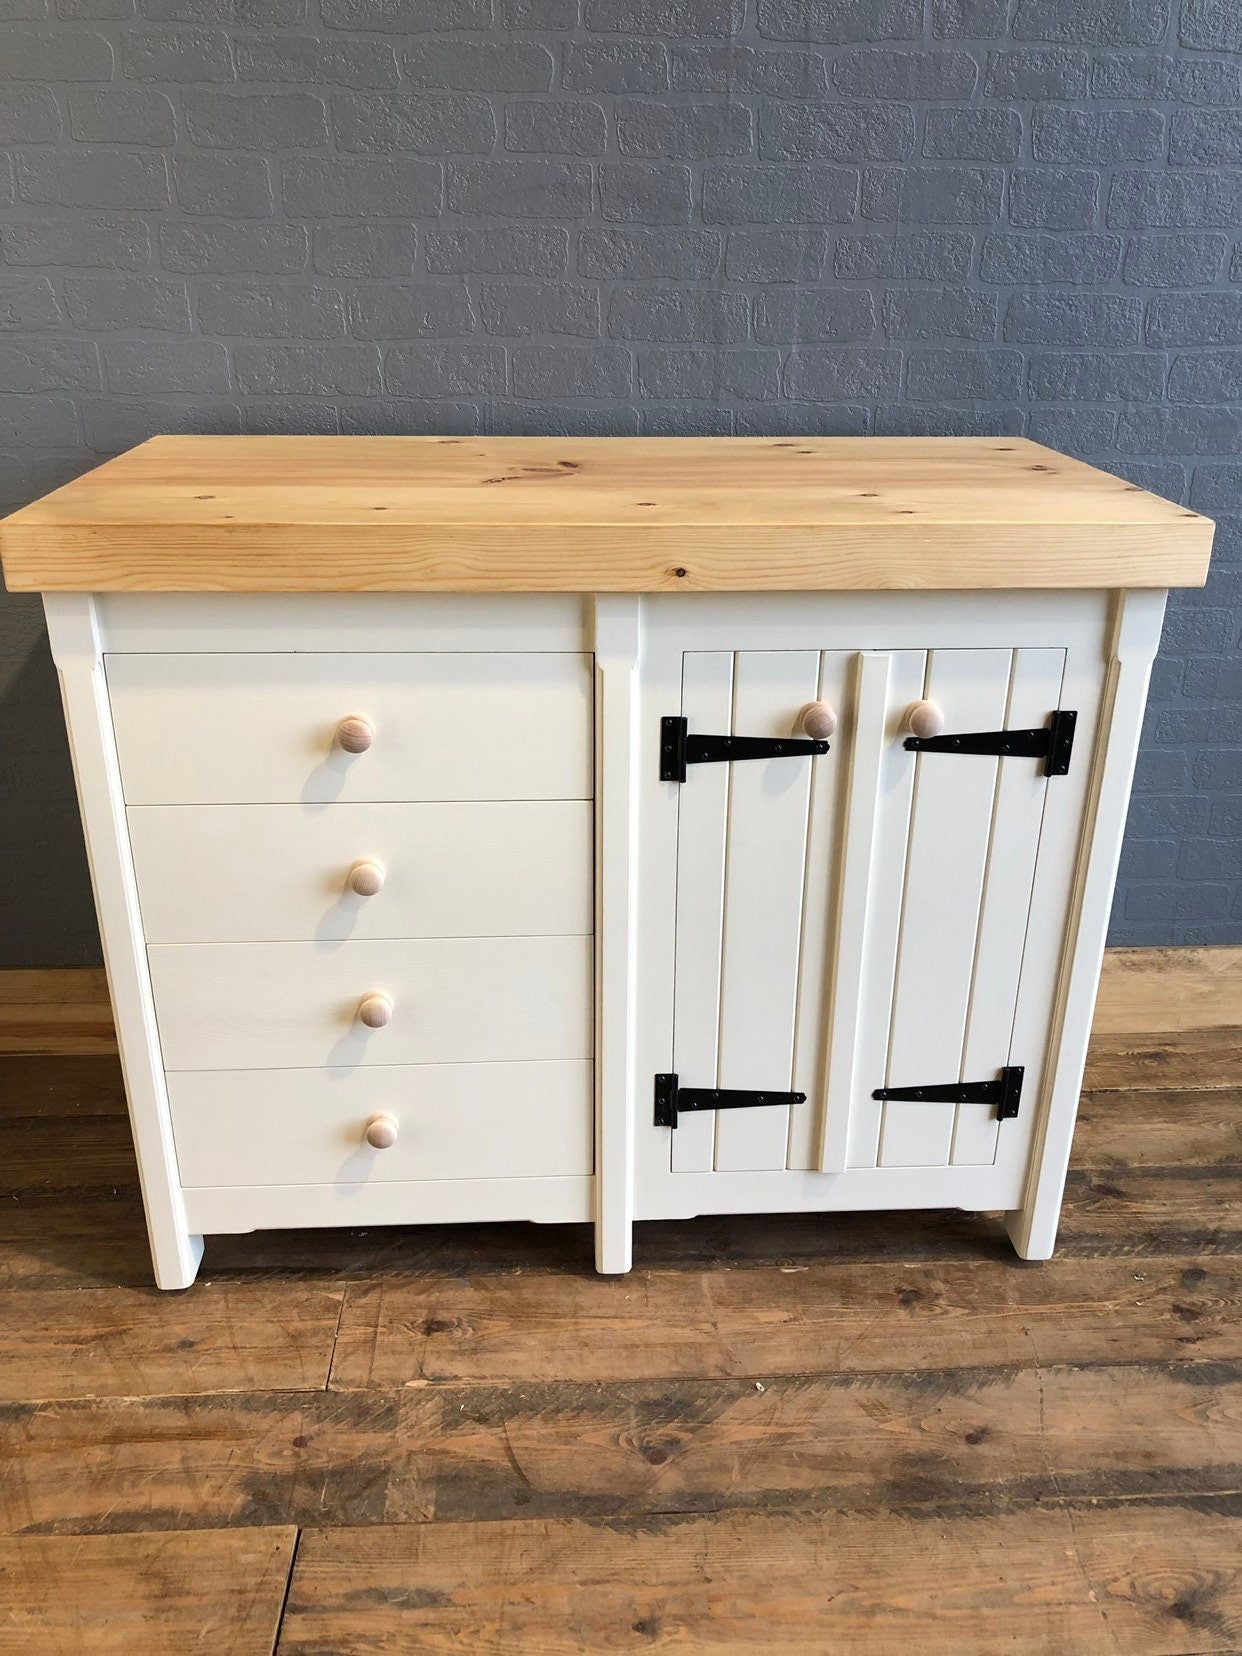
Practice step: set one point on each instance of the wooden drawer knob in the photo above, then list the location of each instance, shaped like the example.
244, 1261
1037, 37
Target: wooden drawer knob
818, 720
355, 734
366, 878
924, 718
381, 1132
375, 1010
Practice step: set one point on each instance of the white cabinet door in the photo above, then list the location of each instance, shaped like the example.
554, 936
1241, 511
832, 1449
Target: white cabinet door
955, 837
854, 922
751, 920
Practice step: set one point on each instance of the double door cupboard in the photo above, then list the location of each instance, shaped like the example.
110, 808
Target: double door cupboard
597, 829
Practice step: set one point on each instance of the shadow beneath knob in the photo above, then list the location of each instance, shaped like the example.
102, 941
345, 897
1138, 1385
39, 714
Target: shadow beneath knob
353, 1046
359, 1164
326, 779
338, 922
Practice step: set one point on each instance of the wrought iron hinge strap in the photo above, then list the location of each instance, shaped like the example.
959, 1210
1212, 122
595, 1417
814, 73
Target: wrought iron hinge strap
671, 1099
1053, 742
1005, 1092
679, 749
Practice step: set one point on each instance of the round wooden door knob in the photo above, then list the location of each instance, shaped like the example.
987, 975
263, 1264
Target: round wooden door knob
818, 720
924, 718
380, 1132
355, 734
375, 1011
366, 878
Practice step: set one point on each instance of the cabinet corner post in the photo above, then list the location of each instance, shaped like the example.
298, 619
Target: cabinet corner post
617, 628
77, 650
1133, 637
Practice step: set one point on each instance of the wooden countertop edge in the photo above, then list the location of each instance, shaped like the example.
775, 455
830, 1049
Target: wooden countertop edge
515, 557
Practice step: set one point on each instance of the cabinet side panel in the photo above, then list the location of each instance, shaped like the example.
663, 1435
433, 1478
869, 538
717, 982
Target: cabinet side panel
1092, 851
175, 1252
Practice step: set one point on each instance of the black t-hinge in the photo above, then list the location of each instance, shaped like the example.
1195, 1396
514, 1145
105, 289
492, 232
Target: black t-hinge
679, 749
671, 1099
1053, 742
1005, 1092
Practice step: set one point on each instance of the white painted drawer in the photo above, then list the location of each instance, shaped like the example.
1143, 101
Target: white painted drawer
454, 1121
295, 1005
224, 729
270, 873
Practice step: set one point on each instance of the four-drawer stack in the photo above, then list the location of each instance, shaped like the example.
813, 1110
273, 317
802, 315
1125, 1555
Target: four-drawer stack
366, 891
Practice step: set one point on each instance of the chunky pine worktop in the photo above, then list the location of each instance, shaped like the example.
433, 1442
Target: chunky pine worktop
554, 514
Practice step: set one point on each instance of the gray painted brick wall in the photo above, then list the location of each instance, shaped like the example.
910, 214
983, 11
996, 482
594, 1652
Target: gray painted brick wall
633, 216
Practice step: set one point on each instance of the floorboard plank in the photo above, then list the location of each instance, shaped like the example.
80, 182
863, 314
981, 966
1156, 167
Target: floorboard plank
1184, 1128
86, 1153
75, 1262
53, 1086
1135, 1061
137, 1464
951, 1440
126, 1342
56, 1012
32, 1213
1141, 1579
815, 1319
1175, 989
1144, 1212
990, 1439
144, 1595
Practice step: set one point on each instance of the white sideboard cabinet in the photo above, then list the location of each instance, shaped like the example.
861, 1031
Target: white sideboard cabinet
564, 830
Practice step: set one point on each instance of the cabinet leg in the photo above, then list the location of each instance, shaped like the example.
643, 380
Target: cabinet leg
614, 1253
176, 1260
1034, 1236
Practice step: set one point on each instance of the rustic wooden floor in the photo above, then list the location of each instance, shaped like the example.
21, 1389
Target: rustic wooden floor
856, 1435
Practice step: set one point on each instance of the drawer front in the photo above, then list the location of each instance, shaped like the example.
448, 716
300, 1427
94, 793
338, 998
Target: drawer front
451, 1121
297, 1005
225, 729
268, 873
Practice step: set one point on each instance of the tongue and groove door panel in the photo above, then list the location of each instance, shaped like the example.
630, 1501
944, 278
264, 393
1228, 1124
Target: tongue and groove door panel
1036, 688
974, 833
856, 920
746, 946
